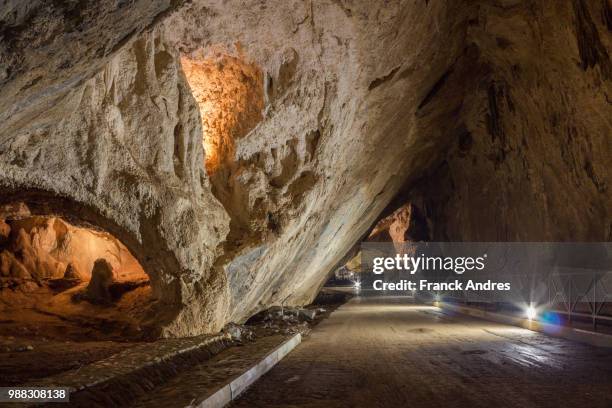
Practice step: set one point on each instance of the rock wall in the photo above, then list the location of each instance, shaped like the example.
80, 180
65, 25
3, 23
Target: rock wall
491, 118
531, 159
331, 150
122, 151
39, 248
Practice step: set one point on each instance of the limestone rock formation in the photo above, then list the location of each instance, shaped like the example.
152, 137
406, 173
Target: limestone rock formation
102, 277
46, 248
530, 157
71, 274
491, 118
120, 149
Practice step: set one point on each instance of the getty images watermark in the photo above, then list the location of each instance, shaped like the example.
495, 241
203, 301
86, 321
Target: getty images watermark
487, 271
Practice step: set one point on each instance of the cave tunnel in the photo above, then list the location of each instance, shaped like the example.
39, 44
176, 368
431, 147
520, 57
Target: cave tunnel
65, 277
306, 203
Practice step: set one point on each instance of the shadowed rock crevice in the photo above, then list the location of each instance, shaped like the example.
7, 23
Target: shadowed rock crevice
592, 51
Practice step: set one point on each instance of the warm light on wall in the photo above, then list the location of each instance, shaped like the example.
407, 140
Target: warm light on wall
229, 93
45, 246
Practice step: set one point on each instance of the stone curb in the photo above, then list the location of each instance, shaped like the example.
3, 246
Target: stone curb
569, 333
234, 388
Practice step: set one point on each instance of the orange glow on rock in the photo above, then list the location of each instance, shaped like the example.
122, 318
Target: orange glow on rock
229, 93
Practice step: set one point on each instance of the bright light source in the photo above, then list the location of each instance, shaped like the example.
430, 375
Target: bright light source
357, 285
531, 313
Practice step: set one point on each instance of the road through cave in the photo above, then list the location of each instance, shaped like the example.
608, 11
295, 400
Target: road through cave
390, 352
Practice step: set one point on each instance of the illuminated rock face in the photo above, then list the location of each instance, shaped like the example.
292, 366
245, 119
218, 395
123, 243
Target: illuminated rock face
121, 149
406, 224
229, 94
492, 119
40, 248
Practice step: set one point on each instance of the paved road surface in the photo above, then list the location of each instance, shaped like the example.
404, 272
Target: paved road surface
384, 352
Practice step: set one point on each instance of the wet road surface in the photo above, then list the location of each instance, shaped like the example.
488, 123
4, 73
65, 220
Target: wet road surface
386, 352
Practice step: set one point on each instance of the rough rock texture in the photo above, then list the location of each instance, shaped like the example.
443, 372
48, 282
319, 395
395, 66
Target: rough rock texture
492, 118
406, 224
41, 248
531, 158
48, 48
122, 151
316, 172
102, 276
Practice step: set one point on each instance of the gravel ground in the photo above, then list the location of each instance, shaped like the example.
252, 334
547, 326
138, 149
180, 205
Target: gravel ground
385, 352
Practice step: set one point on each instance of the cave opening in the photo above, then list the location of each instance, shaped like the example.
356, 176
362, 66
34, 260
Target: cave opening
64, 281
399, 223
